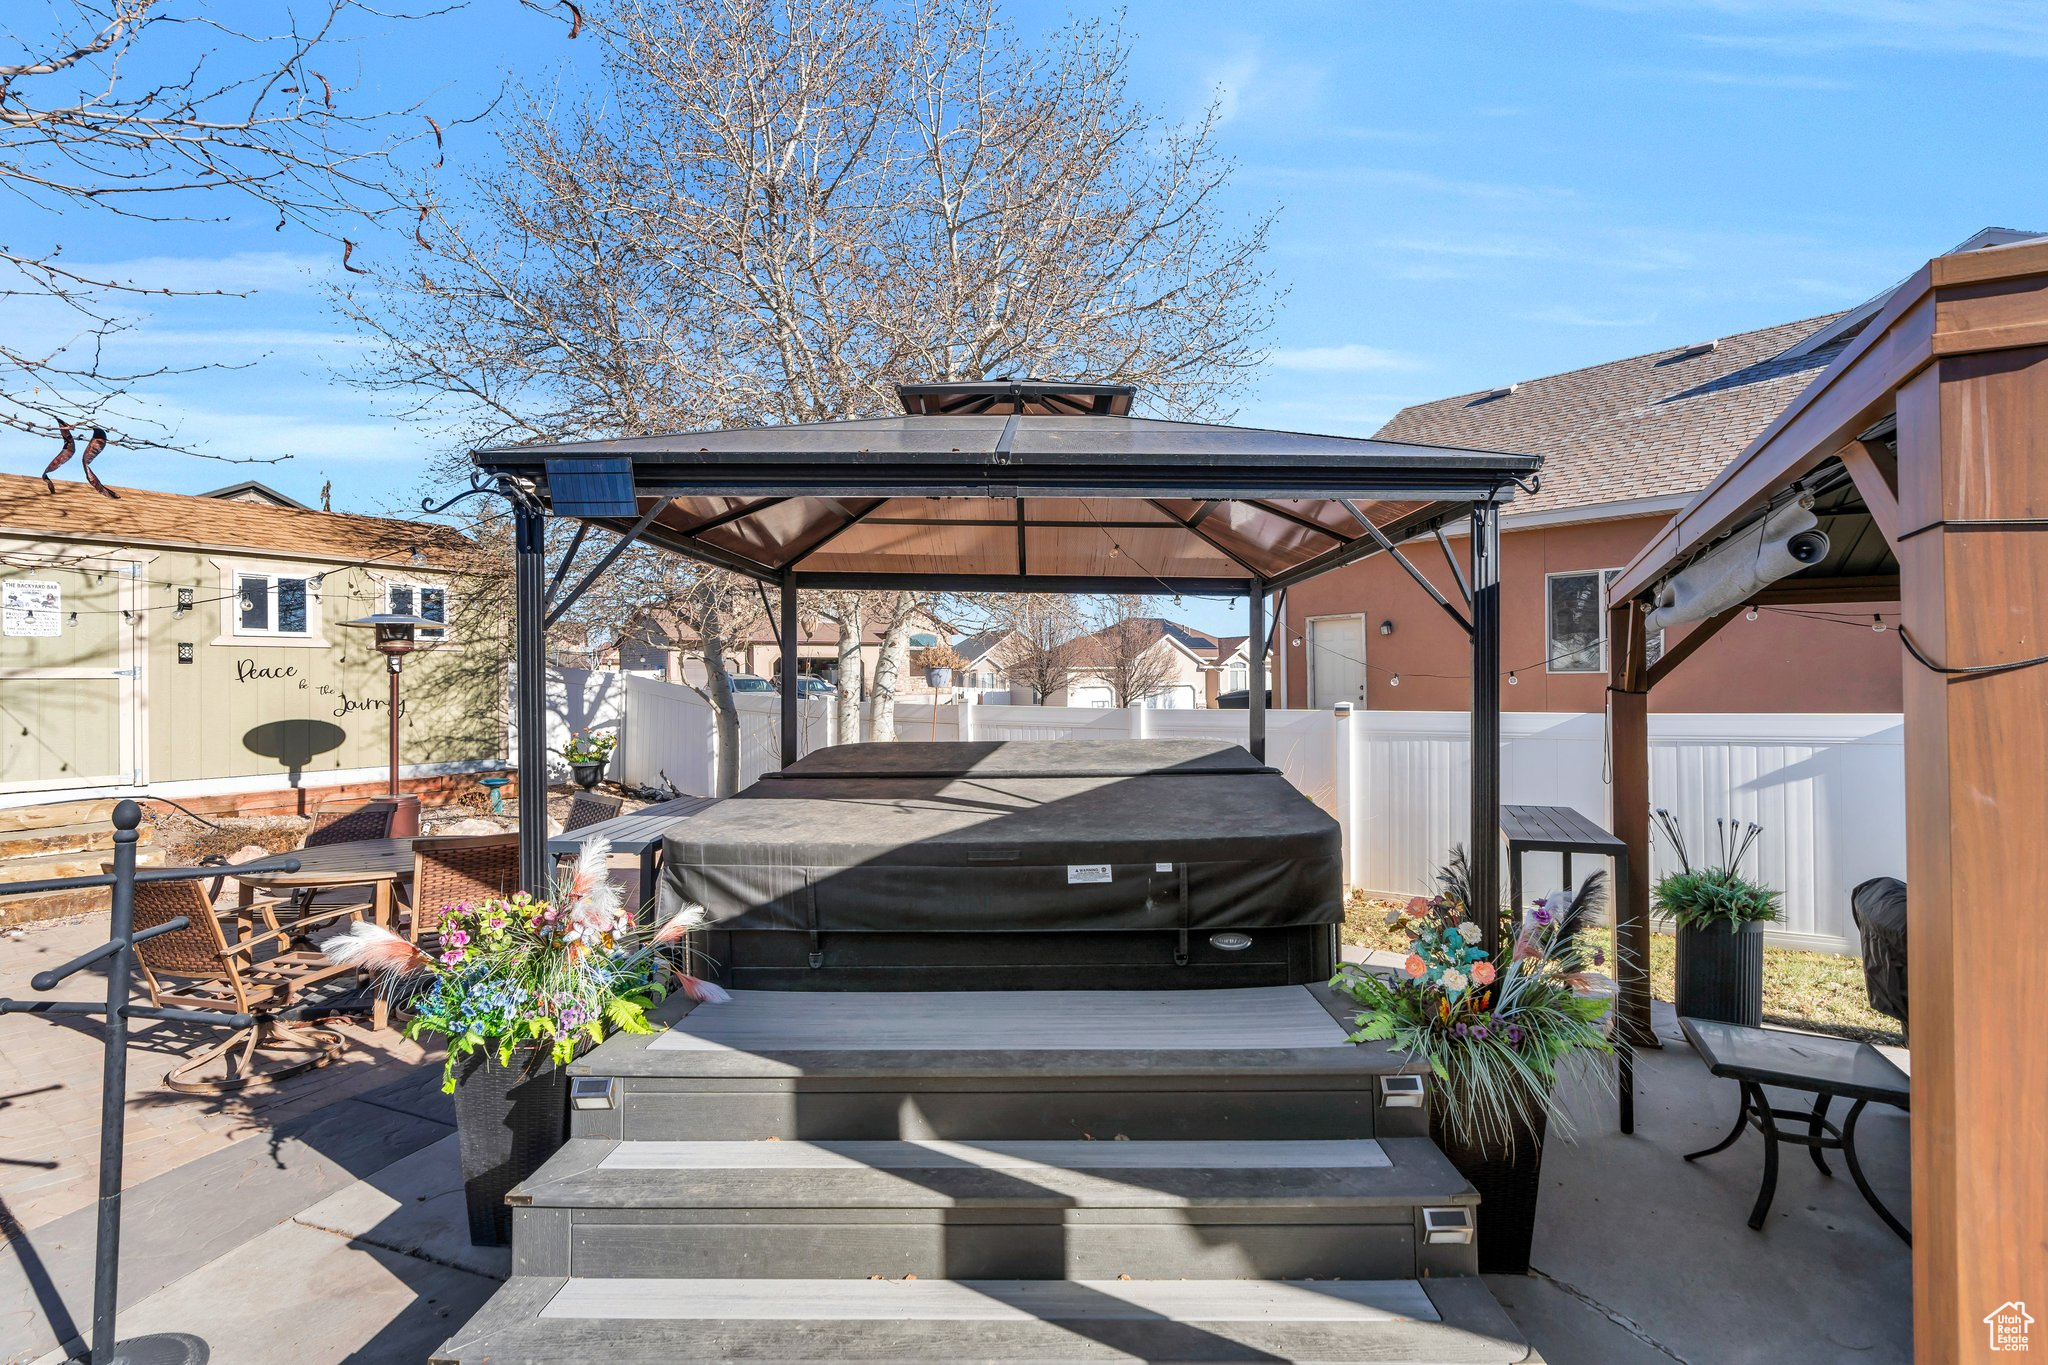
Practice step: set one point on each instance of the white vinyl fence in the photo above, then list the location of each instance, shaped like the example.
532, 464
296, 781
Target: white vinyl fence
1828, 789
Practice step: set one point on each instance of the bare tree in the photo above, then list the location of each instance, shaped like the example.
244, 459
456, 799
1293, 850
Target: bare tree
904, 612
847, 610
1128, 649
763, 213
154, 112
1041, 651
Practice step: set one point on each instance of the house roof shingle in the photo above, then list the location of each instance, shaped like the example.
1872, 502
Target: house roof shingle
144, 517
1650, 426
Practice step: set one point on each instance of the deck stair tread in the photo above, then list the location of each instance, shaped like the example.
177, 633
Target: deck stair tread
1255, 1033
1437, 1322
1387, 1174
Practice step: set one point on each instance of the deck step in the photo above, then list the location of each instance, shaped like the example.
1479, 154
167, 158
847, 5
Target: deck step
630, 1321
1267, 1062
1348, 1209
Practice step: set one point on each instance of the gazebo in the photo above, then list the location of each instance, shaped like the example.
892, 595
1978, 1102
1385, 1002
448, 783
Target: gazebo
1922, 454
1010, 486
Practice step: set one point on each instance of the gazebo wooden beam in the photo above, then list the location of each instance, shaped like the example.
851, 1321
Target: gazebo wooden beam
1960, 355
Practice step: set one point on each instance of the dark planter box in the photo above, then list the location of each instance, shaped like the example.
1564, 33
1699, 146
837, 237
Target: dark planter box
508, 1121
587, 775
1721, 973
1508, 1184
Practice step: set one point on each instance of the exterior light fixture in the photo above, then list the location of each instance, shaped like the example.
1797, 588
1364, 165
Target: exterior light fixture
184, 600
1877, 623
1449, 1226
1394, 681
1513, 681
396, 636
1386, 627
1403, 1091
1749, 615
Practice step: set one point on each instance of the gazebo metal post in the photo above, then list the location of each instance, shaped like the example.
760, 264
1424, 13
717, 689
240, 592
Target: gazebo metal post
786, 665
1255, 671
530, 713
1485, 849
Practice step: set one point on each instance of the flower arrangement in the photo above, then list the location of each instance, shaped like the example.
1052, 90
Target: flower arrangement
1702, 897
517, 971
1495, 1031
589, 746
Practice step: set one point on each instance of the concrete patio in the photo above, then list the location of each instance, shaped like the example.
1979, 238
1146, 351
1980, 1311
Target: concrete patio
326, 1225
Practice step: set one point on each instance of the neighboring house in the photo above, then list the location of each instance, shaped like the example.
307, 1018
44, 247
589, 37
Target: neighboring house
656, 643
1178, 659
193, 647
251, 491
989, 656
1625, 445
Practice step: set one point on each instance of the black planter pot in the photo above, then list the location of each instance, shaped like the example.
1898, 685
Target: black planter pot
508, 1121
588, 775
1720, 973
1508, 1184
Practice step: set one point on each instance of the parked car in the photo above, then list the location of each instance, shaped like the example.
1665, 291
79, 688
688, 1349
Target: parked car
808, 686
748, 682
1241, 700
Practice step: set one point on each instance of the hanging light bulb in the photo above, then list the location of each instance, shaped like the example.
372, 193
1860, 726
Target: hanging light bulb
1513, 681
74, 618
246, 604
1749, 615
1394, 681
1877, 623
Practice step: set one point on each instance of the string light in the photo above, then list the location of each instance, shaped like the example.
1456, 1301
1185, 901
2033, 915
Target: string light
1749, 615
1877, 623
1513, 681
1394, 681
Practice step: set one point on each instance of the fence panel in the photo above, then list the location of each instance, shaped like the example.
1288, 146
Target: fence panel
1828, 789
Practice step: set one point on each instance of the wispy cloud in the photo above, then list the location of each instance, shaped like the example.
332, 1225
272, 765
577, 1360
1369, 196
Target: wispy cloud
1753, 80
267, 272
1565, 315
1350, 358
1247, 84
2011, 28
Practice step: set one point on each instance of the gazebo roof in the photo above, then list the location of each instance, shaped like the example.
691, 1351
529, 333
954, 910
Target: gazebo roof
979, 487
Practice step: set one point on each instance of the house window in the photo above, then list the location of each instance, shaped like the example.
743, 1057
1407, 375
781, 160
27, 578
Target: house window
1577, 635
1237, 678
418, 599
271, 604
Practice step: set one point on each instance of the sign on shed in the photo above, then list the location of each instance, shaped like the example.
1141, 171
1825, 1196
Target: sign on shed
31, 606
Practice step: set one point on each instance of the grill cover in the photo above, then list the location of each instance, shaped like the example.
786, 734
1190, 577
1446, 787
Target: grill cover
1879, 908
1164, 839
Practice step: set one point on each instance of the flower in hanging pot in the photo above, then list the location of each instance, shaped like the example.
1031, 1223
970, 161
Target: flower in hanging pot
938, 662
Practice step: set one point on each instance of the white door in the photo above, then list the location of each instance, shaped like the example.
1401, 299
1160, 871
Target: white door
1336, 661
71, 678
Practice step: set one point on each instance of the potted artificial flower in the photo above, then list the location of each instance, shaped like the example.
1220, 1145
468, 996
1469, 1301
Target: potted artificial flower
1720, 916
519, 987
586, 754
1497, 1032
938, 662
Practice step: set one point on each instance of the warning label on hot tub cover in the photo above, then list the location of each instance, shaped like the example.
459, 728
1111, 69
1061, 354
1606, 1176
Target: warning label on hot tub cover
1087, 872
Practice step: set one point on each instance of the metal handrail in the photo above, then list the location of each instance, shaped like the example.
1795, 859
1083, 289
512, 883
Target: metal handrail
117, 1010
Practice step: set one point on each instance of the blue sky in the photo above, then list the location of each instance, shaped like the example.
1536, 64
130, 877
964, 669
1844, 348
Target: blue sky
1469, 193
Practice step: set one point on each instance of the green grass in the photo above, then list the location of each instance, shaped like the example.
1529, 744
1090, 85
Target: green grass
1818, 992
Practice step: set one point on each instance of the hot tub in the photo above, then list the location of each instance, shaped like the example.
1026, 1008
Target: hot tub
1091, 864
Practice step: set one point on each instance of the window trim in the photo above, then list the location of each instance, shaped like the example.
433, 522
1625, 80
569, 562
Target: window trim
271, 577
425, 636
1654, 644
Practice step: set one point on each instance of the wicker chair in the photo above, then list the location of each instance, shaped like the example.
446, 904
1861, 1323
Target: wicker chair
457, 869
590, 808
345, 823
197, 968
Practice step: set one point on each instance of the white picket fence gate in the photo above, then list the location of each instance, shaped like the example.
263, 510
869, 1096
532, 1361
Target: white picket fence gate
1828, 789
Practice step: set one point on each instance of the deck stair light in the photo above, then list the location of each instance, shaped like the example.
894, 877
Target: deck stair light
1451, 1226
1401, 1092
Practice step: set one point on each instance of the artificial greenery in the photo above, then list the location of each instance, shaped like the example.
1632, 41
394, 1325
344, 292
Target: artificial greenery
1706, 896
1496, 1031
1712, 894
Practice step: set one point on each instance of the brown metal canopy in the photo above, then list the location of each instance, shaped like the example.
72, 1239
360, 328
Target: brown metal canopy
1016, 484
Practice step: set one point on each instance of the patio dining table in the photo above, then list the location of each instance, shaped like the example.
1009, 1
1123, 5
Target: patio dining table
380, 864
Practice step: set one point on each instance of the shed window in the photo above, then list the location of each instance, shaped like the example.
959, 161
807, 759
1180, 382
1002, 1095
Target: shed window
418, 599
271, 604
1577, 637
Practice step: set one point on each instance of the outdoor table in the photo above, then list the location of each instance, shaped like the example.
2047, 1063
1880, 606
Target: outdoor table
380, 864
1562, 830
638, 833
1826, 1067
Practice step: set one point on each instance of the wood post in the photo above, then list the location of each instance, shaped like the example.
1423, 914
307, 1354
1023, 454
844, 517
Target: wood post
1973, 489
1628, 815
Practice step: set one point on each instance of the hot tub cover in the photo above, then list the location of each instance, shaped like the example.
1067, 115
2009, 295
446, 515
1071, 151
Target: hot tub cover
1008, 837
